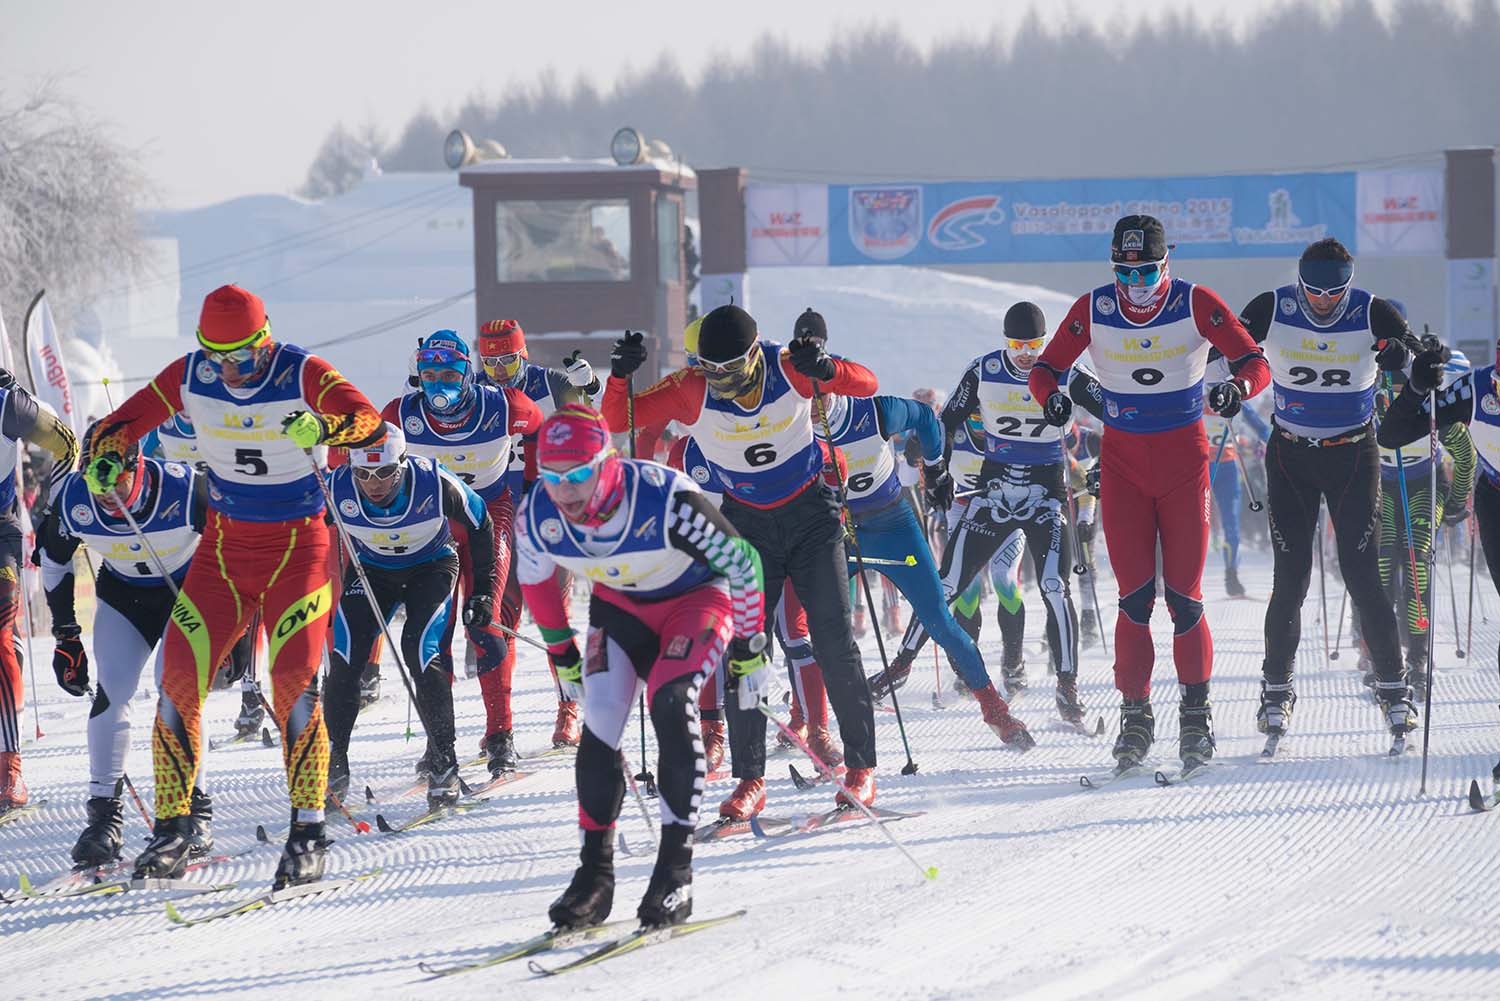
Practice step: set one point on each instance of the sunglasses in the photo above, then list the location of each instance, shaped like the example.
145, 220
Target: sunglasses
1138, 274
367, 473
1313, 292
501, 361
576, 475
731, 366
1032, 345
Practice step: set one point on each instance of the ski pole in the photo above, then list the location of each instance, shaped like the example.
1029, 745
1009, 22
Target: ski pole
1338, 634
364, 580
907, 561
137, 797
929, 873
1473, 535
937, 680
36, 716
1080, 568
1459, 651
910, 767
1255, 503
1213, 467
1323, 587
639, 799
645, 773
1432, 444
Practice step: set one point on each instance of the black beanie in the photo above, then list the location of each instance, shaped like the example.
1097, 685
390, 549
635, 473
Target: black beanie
727, 332
810, 324
1024, 322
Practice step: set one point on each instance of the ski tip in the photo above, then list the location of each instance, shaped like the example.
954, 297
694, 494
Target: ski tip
265, 737
1476, 798
262, 835
1085, 782
1099, 727
755, 826
174, 915
383, 824
1162, 780
369, 795
538, 968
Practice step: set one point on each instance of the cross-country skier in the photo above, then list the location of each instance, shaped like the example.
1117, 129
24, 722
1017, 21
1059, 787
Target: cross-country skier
748, 403
259, 408
397, 508
502, 352
674, 586
169, 502
1224, 473
470, 427
1148, 338
1326, 342
22, 418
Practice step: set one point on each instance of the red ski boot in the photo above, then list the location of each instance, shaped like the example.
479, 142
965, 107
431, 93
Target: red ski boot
713, 743
823, 745
13, 794
567, 730
798, 725
861, 783
748, 799
997, 715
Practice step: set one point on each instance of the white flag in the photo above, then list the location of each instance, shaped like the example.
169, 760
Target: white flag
44, 359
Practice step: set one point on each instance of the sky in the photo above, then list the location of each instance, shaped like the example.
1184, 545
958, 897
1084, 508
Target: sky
269, 80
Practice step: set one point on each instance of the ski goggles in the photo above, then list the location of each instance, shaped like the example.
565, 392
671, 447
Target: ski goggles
244, 344
733, 366
240, 356
366, 474
1033, 345
578, 474
1145, 273
440, 356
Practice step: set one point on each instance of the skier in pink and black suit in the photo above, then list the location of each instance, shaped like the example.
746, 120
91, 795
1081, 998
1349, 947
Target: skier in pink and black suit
1148, 337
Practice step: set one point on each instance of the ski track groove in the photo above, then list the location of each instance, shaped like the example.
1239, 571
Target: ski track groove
1320, 870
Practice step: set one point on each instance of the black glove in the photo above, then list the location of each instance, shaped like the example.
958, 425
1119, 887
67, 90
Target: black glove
1224, 398
912, 451
1427, 367
1058, 409
69, 661
1390, 356
1091, 480
938, 485
809, 359
628, 355
479, 609
568, 664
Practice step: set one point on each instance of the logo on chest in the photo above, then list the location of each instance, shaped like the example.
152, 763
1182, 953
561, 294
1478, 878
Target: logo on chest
1490, 405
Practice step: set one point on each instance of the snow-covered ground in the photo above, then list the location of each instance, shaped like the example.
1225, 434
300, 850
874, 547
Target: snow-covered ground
1322, 874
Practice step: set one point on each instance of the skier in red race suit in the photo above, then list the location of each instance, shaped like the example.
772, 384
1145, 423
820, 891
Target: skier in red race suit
259, 408
1148, 336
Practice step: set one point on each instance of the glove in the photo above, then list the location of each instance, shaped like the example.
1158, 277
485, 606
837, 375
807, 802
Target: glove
1224, 398
939, 485
1390, 356
1058, 409
1085, 532
809, 359
102, 472
479, 610
304, 428
568, 666
629, 354
1091, 480
747, 662
580, 372
69, 662
1427, 368
1457, 515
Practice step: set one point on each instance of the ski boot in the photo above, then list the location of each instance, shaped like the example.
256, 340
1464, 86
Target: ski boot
1195, 720
669, 897
201, 820
997, 715
892, 620
748, 799
823, 745
796, 724
424, 763
861, 784
1400, 714
167, 854
1232, 585
961, 687
1014, 678
1416, 676
1067, 699
893, 677
442, 786
302, 859
1137, 733
252, 713
591, 894
1275, 713
858, 625
103, 837
1088, 627
713, 743
338, 778
567, 730
500, 752
369, 685
13, 793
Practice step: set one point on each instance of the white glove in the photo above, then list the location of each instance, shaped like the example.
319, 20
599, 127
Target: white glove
579, 372
750, 665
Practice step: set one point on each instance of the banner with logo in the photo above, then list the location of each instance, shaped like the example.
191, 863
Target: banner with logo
1472, 318
786, 225
1400, 213
1270, 215
44, 360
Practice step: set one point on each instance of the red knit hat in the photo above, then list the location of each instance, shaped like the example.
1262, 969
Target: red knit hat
232, 318
501, 337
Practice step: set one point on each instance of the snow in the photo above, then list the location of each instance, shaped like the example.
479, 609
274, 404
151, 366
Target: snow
1322, 874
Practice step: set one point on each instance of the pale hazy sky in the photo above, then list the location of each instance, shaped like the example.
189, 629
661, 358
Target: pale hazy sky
261, 85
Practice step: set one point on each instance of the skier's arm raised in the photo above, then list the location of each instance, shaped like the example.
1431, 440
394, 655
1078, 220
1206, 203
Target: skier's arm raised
350, 418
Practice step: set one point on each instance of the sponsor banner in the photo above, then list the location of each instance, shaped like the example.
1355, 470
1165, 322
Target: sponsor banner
1400, 213
786, 225
44, 359
1269, 215
721, 290
1471, 305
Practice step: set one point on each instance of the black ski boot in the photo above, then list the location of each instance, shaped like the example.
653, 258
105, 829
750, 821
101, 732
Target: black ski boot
669, 897
201, 820
252, 714
1276, 701
338, 778
500, 750
442, 785
1195, 720
1014, 678
103, 837
167, 854
591, 894
1232, 585
1067, 699
1137, 733
1088, 627
895, 677
303, 857
424, 763
1416, 668
369, 685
